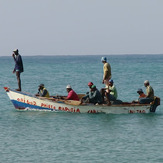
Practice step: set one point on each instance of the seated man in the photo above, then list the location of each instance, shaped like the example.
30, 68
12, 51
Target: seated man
42, 91
94, 96
71, 94
89, 85
141, 95
150, 94
113, 91
110, 92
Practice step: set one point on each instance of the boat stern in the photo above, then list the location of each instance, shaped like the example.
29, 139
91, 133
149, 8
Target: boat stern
154, 104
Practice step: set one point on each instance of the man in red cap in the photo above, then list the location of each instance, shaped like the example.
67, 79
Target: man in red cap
94, 96
87, 94
90, 84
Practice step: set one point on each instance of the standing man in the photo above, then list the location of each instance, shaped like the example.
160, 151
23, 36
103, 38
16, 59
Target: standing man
107, 71
18, 67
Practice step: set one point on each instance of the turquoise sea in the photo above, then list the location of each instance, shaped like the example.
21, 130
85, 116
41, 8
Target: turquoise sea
39, 137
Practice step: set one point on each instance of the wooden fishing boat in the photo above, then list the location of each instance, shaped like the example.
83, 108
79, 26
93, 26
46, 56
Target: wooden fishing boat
26, 101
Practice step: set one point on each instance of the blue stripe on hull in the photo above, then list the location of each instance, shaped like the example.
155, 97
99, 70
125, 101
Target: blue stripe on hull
21, 105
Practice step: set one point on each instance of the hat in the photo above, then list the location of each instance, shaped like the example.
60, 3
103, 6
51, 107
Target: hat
41, 85
139, 90
15, 50
90, 84
103, 59
93, 86
146, 82
111, 81
68, 86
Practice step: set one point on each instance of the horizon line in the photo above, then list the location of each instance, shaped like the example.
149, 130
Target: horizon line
81, 54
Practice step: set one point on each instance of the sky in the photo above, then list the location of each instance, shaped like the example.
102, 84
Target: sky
81, 27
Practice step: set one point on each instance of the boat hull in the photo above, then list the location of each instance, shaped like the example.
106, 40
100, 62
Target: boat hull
25, 101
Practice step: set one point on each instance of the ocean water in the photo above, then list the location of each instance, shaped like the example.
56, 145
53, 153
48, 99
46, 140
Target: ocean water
39, 137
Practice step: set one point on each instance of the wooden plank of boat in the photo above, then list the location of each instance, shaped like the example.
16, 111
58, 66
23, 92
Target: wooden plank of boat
69, 102
72, 102
80, 96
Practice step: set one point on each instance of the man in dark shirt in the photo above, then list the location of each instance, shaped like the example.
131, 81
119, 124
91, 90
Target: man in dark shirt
94, 96
18, 67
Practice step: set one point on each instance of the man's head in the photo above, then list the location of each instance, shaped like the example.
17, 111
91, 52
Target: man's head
146, 83
93, 88
139, 91
111, 82
103, 59
68, 87
41, 86
90, 84
16, 51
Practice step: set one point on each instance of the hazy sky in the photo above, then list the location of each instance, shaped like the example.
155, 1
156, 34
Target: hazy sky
81, 27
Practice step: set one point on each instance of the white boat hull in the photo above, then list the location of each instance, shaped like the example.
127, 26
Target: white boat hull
25, 101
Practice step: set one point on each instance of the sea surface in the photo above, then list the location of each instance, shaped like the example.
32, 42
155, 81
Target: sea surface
50, 137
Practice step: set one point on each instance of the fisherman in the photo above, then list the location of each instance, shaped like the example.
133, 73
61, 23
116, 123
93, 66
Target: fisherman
89, 85
42, 91
111, 91
18, 66
71, 94
85, 98
149, 94
141, 95
106, 71
94, 96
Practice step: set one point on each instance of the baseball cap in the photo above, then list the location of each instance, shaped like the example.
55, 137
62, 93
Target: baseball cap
111, 81
15, 50
41, 85
68, 86
90, 84
139, 90
93, 86
146, 82
103, 59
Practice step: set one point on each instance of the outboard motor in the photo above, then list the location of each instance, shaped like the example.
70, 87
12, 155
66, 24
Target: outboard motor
154, 104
